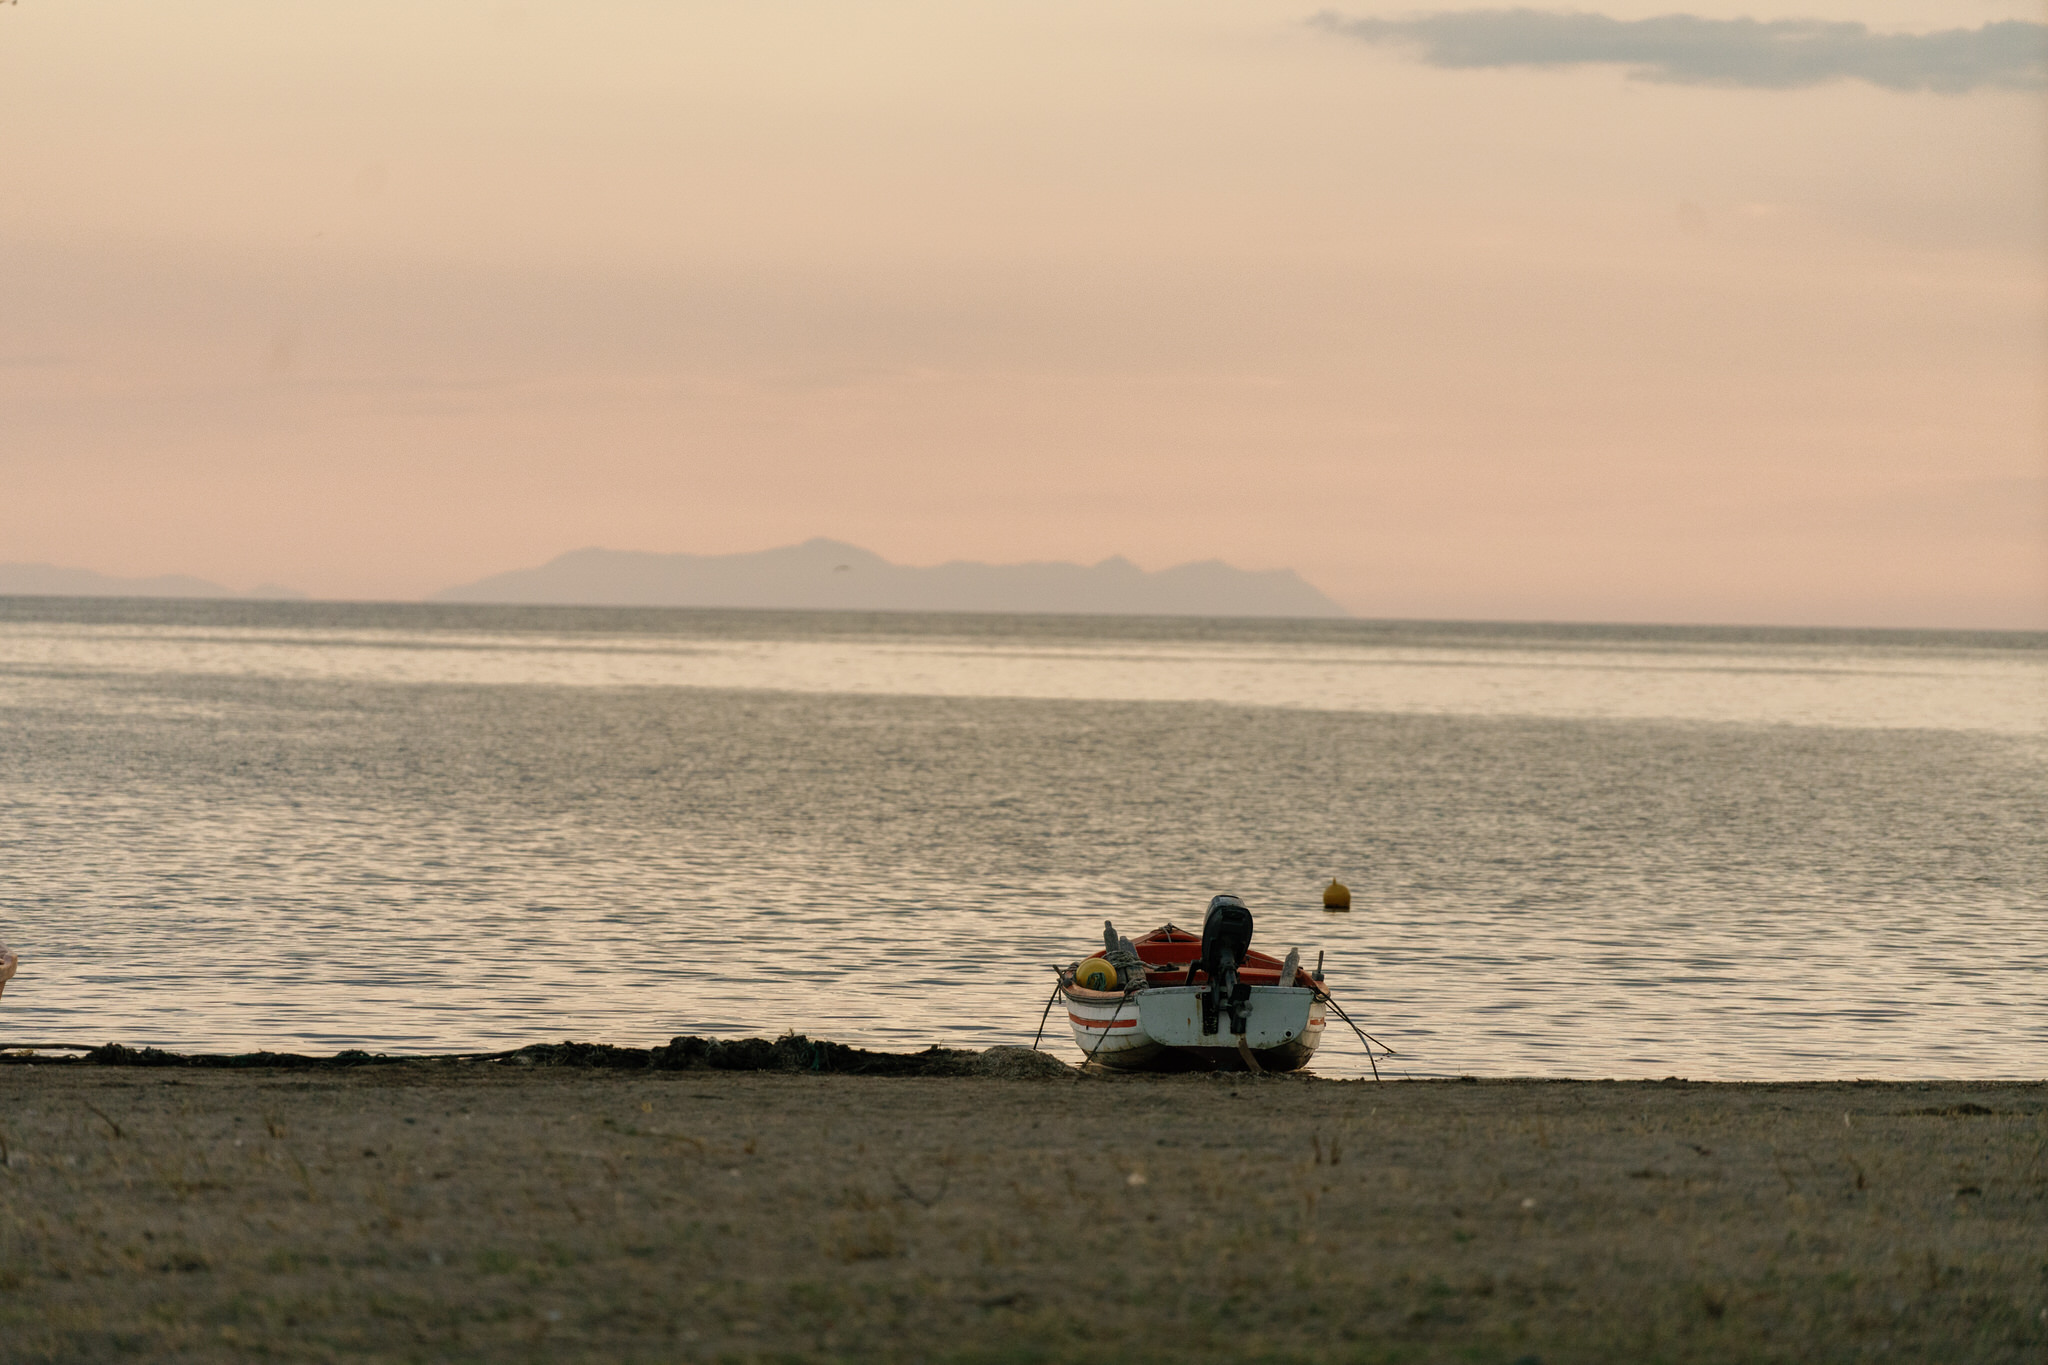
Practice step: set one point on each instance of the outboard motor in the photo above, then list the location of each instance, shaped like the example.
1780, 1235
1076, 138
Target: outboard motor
1226, 938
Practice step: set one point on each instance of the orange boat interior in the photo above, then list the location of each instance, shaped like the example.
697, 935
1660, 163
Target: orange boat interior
1167, 951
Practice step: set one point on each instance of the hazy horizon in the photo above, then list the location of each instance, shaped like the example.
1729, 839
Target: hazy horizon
285, 595
1726, 316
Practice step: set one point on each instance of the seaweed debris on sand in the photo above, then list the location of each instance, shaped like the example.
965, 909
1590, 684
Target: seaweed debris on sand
791, 1052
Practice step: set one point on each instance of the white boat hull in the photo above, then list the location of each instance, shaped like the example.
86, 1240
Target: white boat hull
1161, 1029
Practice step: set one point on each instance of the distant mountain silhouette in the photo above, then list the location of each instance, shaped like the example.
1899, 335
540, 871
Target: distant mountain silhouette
826, 575
49, 580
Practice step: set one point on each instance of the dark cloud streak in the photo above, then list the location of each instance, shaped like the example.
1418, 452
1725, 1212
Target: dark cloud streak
1684, 49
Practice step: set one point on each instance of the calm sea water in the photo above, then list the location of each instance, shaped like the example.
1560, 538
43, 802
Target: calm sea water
1574, 851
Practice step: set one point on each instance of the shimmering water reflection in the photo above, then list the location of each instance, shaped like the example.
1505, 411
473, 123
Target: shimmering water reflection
1575, 853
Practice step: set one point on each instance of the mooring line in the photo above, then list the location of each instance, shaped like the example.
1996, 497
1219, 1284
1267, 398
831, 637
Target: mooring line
1363, 1036
1047, 1012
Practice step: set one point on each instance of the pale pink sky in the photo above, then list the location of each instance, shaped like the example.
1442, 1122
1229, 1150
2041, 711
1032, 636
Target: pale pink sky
374, 298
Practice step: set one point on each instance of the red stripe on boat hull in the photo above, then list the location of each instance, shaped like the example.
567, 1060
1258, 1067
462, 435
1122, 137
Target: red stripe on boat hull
1090, 1023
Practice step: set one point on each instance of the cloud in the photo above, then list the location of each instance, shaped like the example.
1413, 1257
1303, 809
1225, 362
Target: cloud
1684, 49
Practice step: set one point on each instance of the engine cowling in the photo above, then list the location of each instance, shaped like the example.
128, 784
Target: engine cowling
1226, 939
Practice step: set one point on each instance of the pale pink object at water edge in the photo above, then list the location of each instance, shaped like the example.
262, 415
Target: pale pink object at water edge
8, 962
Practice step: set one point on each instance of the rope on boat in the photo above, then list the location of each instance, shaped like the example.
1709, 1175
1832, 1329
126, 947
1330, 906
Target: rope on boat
1090, 1058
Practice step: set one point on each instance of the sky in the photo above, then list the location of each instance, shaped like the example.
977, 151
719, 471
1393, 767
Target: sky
1630, 314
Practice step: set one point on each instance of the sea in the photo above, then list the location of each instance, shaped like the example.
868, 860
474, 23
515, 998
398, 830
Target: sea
1573, 851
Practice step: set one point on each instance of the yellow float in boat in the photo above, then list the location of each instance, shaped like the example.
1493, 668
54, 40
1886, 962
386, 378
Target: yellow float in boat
1336, 896
1096, 975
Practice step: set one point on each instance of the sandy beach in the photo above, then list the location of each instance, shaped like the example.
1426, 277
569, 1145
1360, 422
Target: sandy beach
451, 1211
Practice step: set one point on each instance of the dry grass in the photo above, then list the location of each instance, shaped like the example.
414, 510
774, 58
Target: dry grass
479, 1213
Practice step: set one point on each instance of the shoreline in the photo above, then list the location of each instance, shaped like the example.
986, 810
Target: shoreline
798, 1053
474, 1211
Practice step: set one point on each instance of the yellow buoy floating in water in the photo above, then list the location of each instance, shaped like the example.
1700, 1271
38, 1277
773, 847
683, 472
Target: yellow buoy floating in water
1096, 975
1336, 896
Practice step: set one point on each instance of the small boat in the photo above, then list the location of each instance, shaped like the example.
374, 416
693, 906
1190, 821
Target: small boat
1180, 1001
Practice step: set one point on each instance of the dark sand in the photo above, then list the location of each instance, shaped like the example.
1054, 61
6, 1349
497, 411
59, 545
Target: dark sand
482, 1212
